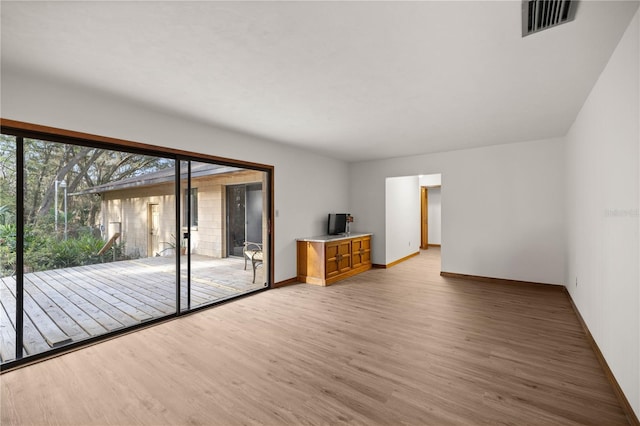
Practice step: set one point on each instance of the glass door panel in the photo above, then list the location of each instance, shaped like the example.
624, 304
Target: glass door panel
222, 208
99, 242
8, 255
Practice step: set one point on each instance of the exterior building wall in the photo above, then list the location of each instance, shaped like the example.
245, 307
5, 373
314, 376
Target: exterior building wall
127, 211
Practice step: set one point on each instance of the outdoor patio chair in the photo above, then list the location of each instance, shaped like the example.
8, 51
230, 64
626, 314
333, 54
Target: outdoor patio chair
252, 252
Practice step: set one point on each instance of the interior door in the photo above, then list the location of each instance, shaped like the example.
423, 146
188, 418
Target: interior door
153, 225
424, 217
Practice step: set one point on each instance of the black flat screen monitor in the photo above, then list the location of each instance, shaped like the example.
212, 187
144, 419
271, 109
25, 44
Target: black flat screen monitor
337, 223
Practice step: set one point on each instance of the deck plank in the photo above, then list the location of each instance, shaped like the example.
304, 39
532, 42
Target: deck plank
202, 291
52, 334
205, 287
73, 320
32, 341
7, 335
111, 296
125, 288
133, 287
147, 274
153, 270
58, 316
108, 316
213, 287
163, 289
224, 284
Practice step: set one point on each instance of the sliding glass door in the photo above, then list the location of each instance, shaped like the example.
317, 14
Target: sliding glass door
95, 240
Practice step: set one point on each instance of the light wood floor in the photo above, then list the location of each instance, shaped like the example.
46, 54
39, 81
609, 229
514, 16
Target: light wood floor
395, 346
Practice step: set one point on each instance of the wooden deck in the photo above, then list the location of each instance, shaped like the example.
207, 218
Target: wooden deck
72, 304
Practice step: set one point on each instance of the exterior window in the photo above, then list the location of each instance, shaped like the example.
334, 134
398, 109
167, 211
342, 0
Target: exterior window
192, 202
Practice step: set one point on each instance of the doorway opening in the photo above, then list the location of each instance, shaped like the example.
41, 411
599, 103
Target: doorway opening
430, 210
244, 216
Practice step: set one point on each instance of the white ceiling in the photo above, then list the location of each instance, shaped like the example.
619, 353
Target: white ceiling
353, 80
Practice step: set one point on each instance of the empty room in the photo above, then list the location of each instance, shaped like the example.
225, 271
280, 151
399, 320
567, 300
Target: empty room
320, 212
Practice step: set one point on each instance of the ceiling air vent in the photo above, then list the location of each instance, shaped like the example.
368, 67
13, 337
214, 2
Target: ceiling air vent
538, 15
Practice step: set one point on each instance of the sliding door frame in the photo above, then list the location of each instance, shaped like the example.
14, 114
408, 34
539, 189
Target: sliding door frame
22, 130
19, 319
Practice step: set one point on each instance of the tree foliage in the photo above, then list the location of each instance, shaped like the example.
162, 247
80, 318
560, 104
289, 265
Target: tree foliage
7, 179
81, 168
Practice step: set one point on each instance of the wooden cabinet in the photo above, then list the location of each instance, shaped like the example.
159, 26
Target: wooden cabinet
327, 259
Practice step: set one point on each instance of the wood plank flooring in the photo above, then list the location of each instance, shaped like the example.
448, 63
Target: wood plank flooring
72, 304
395, 346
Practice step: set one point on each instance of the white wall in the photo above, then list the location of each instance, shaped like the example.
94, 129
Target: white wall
602, 210
431, 180
502, 208
434, 212
402, 217
307, 185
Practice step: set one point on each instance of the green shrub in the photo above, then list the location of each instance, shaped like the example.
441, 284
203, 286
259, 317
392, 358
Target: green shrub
44, 251
75, 252
7, 249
